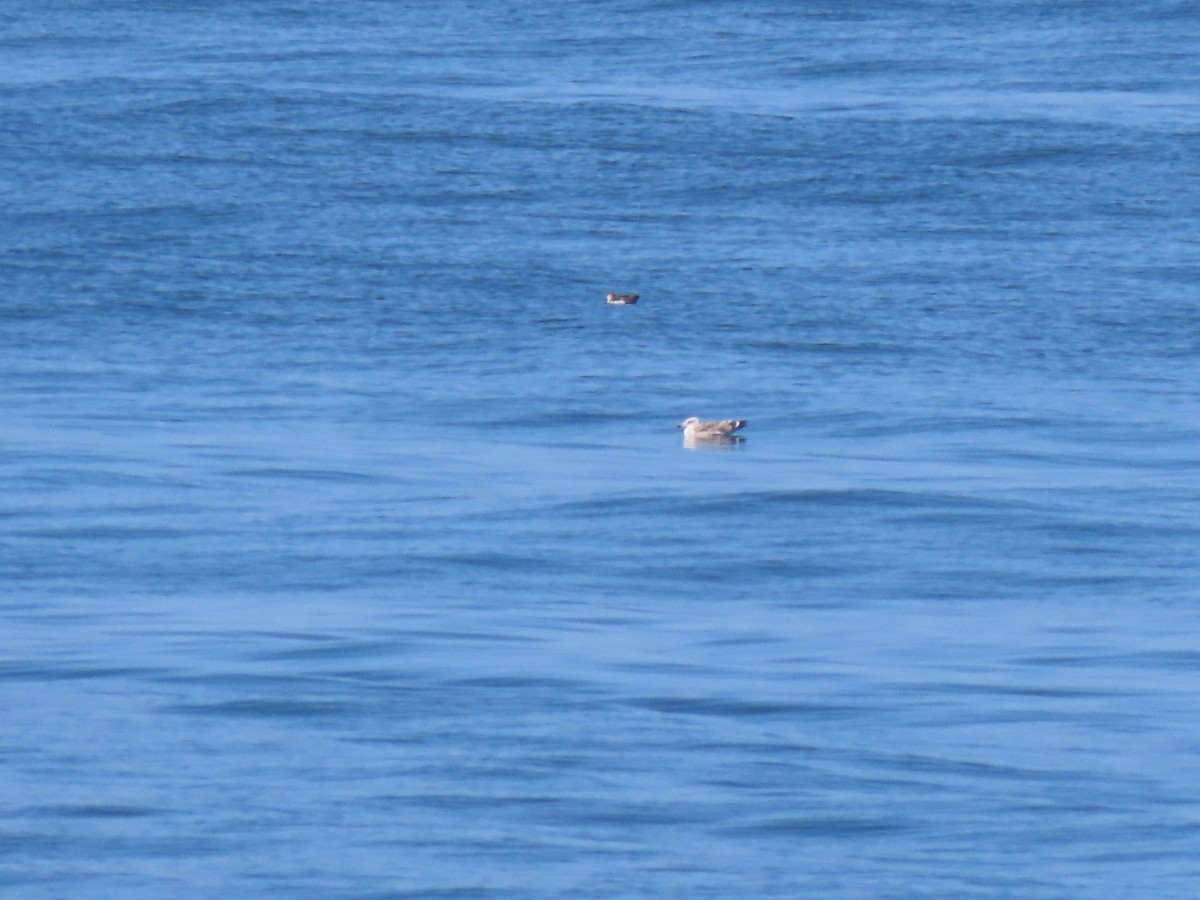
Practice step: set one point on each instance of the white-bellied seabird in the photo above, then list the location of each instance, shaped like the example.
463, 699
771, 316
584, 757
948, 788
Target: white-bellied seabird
695, 430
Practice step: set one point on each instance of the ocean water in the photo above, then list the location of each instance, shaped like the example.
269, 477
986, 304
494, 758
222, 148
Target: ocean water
348, 547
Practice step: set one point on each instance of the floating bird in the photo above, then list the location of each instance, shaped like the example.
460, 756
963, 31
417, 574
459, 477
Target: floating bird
621, 299
695, 430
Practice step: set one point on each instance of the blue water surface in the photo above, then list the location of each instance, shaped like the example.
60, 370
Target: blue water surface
347, 544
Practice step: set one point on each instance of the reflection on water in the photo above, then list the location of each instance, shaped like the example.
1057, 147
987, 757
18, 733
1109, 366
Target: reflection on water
723, 442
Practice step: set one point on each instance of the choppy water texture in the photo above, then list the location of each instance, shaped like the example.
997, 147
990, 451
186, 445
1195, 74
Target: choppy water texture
347, 545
